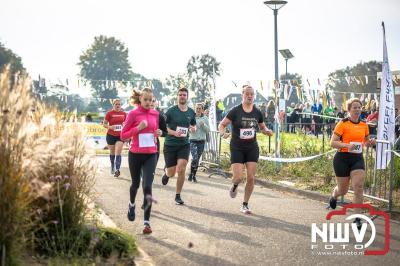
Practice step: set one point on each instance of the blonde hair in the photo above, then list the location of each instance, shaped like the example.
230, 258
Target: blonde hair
201, 104
135, 96
349, 102
115, 101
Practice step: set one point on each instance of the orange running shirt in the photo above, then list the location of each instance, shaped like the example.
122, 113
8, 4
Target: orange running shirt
349, 131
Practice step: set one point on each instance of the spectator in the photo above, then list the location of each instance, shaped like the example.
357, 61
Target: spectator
306, 119
372, 121
270, 115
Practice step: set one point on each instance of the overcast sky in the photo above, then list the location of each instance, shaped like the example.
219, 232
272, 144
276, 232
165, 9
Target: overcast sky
162, 35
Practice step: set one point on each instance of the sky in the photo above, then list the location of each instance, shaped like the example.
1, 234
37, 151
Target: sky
50, 35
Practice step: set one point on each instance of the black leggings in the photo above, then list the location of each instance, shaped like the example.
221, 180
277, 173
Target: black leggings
145, 164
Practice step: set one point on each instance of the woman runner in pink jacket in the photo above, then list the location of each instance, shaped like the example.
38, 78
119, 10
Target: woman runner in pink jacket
141, 126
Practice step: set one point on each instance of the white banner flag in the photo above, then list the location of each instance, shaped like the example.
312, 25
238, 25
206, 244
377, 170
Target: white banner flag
386, 120
212, 114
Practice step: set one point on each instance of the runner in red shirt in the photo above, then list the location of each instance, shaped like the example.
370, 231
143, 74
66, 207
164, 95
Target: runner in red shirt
113, 122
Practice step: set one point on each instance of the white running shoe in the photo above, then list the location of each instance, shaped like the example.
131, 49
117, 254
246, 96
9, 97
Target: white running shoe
245, 209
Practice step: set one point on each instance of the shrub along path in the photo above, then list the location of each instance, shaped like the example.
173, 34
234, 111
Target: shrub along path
210, 230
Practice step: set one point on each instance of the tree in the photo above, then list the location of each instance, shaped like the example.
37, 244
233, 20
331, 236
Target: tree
173, 84
201, 71
7, 57
102, 65
352, 79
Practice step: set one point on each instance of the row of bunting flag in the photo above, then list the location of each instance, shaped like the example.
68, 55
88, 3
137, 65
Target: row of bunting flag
139, 83
306, 92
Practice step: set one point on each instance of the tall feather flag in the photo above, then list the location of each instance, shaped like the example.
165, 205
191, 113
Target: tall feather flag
386, 121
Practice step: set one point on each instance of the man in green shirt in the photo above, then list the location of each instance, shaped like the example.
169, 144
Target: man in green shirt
180, 120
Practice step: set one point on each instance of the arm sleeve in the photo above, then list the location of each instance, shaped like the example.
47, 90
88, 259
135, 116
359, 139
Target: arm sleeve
339, 129
162, 125
206, 125
107, 117
193, 120
129, 130
231, 114
260, 117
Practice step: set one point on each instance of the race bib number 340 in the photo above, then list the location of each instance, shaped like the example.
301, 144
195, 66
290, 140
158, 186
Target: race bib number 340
247, 133
357, 147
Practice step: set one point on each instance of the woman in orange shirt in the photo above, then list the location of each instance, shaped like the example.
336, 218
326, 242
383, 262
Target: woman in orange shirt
350, 135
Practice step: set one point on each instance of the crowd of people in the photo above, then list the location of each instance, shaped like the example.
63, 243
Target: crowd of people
185, 131
313, 118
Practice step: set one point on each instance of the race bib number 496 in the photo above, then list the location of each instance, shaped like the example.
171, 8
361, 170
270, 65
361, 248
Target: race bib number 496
247, 133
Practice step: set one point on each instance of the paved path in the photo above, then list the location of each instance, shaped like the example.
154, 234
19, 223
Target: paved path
278, 233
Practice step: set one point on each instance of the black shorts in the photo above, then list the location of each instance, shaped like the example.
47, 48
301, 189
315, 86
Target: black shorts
244, 156
173, 153
111, 140
345, 162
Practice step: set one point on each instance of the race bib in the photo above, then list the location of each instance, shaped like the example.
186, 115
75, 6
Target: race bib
118, 127
247, 133
183, 131
358, 148
146, 140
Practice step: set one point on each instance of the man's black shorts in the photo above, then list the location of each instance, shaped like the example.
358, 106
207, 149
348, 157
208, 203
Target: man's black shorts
173, 153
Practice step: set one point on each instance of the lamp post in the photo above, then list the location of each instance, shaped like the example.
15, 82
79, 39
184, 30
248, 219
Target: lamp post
275, 6
286, 55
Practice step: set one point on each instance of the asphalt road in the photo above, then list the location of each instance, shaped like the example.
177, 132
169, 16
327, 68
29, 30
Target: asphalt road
210, 230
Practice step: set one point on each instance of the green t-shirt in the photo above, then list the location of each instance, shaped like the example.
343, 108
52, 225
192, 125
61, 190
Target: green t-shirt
178, 120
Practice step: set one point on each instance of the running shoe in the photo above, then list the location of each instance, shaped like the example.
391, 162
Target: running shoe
178, 200
190, 178
147, 229
332, 203
194, 179
358, 222
117, 173
131, 212
245, 209
164, 179
233, 191
112, 171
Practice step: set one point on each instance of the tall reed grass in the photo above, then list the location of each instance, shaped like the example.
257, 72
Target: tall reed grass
45, 176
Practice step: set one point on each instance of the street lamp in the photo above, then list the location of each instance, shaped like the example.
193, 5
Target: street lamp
287, 55
275, 6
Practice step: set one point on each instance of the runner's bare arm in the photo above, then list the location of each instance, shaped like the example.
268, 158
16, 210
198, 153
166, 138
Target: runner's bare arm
173, 132
221, 128
370, 141
264, 129
336, 143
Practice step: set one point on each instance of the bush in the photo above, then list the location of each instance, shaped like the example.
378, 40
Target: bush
16, 189
111, 240
45, 177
